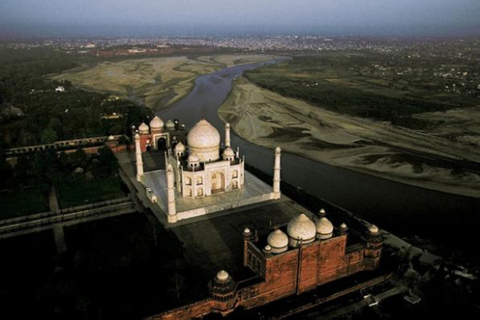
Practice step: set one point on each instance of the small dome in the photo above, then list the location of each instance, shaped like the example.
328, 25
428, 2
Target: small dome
143, 128
228, 152
137, 136
179, 148
246, 230
343, 226
267, 248
278, 150
278, 240
324, 228
156, 123
373, 229
301, 228
111, 138
170, 125
193, 158
222, 276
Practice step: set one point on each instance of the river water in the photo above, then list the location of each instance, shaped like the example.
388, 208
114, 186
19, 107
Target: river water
402, 209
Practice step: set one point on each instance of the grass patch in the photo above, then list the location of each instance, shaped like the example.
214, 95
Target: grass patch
19, 204
89, 192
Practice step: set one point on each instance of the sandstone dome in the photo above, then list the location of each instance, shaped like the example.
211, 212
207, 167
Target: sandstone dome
204, 140
301, 229
156, 123
278, 240
324, 228
143, 128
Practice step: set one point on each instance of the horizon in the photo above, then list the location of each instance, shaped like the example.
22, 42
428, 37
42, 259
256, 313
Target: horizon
89, 18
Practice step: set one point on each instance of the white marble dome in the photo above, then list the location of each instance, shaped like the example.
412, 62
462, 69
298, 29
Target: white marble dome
278, 240
170, 125
193, 158
204, 140
143, 128
180, 148
156, 123
324, 228
228, 153
301, 229
222, 276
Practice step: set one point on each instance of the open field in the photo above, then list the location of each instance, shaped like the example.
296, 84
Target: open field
375, 147
156, 82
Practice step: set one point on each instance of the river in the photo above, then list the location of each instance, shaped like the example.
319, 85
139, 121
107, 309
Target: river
402, 209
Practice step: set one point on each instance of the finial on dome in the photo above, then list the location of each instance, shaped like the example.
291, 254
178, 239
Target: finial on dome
322, 213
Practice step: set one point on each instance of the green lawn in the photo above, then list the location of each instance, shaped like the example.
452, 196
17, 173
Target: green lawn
30, 201
89, 192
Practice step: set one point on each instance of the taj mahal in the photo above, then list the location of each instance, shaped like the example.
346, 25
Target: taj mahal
201, 174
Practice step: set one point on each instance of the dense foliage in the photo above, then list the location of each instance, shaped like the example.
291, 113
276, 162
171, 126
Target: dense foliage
32, 111
382, 87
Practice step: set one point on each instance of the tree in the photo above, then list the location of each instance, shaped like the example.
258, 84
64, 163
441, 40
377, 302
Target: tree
6, 172
78, 158
48, 136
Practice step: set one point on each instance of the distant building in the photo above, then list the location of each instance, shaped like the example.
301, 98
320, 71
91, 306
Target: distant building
159, 135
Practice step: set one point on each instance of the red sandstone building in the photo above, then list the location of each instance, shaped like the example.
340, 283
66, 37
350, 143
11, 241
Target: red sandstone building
291, 260
159, 135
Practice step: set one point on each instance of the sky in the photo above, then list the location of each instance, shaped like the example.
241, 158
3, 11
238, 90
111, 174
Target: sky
407, 15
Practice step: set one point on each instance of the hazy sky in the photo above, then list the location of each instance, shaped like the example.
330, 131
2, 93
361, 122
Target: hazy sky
291, 13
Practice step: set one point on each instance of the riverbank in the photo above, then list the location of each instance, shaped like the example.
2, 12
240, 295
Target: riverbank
372, 147
155, 82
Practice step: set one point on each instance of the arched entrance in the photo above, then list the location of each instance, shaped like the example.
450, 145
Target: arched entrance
161, 144
149, 147
217, 182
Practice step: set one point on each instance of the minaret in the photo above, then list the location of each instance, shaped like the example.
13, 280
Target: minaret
247, 237
138, 157
172, 211
276, 174
227, 135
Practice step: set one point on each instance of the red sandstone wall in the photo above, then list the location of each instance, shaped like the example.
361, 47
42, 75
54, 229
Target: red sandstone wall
308, 267
189, 311
143, 141
280, 279
333, 263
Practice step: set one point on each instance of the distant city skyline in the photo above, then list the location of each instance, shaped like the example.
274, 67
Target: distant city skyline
125, 17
